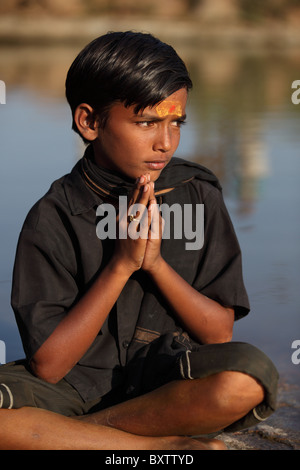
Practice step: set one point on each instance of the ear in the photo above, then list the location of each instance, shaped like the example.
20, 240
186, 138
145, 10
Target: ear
86, 121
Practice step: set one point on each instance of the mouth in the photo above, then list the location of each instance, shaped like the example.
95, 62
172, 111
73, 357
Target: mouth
156, 165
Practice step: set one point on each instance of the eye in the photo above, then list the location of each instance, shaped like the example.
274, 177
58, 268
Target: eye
178, 122
146, 123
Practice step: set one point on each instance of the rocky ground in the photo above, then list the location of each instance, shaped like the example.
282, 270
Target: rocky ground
280, 432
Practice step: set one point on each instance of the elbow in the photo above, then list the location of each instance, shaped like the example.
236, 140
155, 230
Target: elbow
224, 335
225, 338
221, 331
43, 371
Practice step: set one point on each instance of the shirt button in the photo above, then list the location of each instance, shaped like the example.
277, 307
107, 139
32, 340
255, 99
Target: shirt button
125, 344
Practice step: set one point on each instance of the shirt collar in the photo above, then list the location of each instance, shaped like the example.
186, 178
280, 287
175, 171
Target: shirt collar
80, 198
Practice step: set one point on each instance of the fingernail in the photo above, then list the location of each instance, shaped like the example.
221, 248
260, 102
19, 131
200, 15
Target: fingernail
146, 188
142, 179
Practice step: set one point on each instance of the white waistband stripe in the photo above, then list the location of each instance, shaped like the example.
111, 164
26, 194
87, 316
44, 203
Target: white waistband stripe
10, 396
257, 415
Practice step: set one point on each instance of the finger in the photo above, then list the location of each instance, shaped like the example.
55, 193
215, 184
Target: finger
134, 192
138, 210
152, 201
156, 223
152, 194
138, 188
143, 197
155, 220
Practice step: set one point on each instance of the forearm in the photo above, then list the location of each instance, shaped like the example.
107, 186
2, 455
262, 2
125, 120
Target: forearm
205, 320
77, 331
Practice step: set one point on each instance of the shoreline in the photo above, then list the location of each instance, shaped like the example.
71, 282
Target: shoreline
24, 30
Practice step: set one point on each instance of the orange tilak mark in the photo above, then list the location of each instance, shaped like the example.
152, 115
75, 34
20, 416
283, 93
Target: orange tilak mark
166, 108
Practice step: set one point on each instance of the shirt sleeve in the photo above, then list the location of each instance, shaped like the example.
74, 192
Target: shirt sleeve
220, 274
44, 280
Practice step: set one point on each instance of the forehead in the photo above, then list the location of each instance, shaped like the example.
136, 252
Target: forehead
173, 105
169, 108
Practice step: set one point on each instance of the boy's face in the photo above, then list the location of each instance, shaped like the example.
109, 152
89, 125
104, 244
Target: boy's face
135, 144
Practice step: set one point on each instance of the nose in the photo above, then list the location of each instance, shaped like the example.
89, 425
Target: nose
163, 140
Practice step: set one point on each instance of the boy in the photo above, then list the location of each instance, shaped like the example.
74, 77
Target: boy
129, 334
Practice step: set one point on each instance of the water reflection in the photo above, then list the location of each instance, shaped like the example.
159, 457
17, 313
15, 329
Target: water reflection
241, 124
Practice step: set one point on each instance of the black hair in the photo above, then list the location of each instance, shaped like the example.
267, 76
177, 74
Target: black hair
130, 67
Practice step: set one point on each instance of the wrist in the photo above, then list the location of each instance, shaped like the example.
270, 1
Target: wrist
119, 268
155, 269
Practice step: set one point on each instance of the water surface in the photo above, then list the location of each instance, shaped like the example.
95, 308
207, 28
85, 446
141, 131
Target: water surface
241, 124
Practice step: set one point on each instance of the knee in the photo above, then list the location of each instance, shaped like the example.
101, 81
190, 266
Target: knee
239, 391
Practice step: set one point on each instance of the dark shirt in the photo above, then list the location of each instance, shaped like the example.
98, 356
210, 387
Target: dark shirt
59, 255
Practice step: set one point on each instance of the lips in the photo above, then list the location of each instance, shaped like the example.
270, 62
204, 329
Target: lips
157, 164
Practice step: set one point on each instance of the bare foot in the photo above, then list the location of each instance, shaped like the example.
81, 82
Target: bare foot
214, 444
188, 443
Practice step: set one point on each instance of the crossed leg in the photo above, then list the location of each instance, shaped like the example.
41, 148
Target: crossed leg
158, 420
36, 429
185, 407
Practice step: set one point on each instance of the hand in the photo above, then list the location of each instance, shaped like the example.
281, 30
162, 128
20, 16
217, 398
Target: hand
153, 254
129, 251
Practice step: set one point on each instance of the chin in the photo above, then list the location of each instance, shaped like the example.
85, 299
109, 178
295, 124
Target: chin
155, 175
